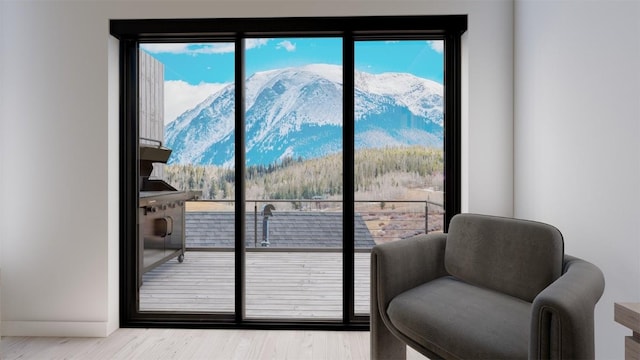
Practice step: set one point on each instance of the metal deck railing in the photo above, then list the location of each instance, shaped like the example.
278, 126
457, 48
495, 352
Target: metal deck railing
381, 220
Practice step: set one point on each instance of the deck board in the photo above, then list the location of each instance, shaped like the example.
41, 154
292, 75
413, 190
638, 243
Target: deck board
279, 284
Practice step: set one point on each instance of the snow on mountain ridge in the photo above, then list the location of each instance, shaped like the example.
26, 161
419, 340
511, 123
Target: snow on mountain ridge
406, 89
330, 72
185, 118
188, 146
418, 94
298, 111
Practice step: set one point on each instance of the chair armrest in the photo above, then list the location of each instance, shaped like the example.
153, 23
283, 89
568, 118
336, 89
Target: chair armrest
401, 265
562, 322
395, 268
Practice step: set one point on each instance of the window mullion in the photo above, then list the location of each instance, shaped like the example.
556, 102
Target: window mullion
452, 137
348, 68
240, 206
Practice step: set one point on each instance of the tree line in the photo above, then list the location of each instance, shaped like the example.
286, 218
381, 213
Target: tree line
376, 171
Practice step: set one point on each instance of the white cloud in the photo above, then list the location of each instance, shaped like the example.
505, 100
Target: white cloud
200, 48
255, 43
287, 45
437, 45
180, 96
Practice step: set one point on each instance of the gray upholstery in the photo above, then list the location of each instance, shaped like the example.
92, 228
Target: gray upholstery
425, 296
453, 307
516, 257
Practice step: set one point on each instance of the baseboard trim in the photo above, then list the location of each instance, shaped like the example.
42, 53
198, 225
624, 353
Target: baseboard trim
56, 328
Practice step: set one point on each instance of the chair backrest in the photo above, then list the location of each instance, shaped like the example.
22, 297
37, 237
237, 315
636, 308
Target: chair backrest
516, 257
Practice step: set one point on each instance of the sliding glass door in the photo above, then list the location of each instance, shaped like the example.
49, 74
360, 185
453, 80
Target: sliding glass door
187, 205
399, 146
293, 178
260, 166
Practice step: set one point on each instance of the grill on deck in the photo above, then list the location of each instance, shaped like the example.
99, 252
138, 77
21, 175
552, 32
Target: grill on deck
160, 214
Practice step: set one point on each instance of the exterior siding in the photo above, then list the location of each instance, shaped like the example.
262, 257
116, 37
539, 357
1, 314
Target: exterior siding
151, 100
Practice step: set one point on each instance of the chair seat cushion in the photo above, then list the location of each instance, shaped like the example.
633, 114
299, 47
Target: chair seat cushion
468, 321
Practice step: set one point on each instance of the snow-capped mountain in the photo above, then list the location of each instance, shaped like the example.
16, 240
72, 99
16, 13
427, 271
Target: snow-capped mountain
298, 112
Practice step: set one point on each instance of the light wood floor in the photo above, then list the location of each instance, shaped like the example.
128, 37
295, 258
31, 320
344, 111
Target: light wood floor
196, 344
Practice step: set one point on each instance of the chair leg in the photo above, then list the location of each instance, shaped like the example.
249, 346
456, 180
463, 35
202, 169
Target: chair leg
384, 345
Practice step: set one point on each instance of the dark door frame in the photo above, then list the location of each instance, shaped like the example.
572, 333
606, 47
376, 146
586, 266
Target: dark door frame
132, 32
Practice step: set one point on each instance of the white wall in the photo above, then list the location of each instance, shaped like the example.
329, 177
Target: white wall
577, 145
3, 33
55, 170
113, 187
60, 148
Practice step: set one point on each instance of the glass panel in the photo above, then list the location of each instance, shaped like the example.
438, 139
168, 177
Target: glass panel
293, 127
399, 153
187, 135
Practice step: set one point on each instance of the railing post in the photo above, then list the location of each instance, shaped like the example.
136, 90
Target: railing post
426, 217
255, 224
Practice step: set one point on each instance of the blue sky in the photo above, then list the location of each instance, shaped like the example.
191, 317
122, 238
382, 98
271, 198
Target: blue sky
193, 71
214, 62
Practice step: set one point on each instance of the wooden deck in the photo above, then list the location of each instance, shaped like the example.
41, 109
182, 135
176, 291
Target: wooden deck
291, 285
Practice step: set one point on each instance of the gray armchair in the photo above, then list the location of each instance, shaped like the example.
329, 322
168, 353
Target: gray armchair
492, 288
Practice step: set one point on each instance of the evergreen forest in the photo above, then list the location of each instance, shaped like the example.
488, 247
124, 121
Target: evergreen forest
380, 174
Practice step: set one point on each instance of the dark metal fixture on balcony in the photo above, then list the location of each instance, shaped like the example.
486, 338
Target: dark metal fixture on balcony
267, 212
